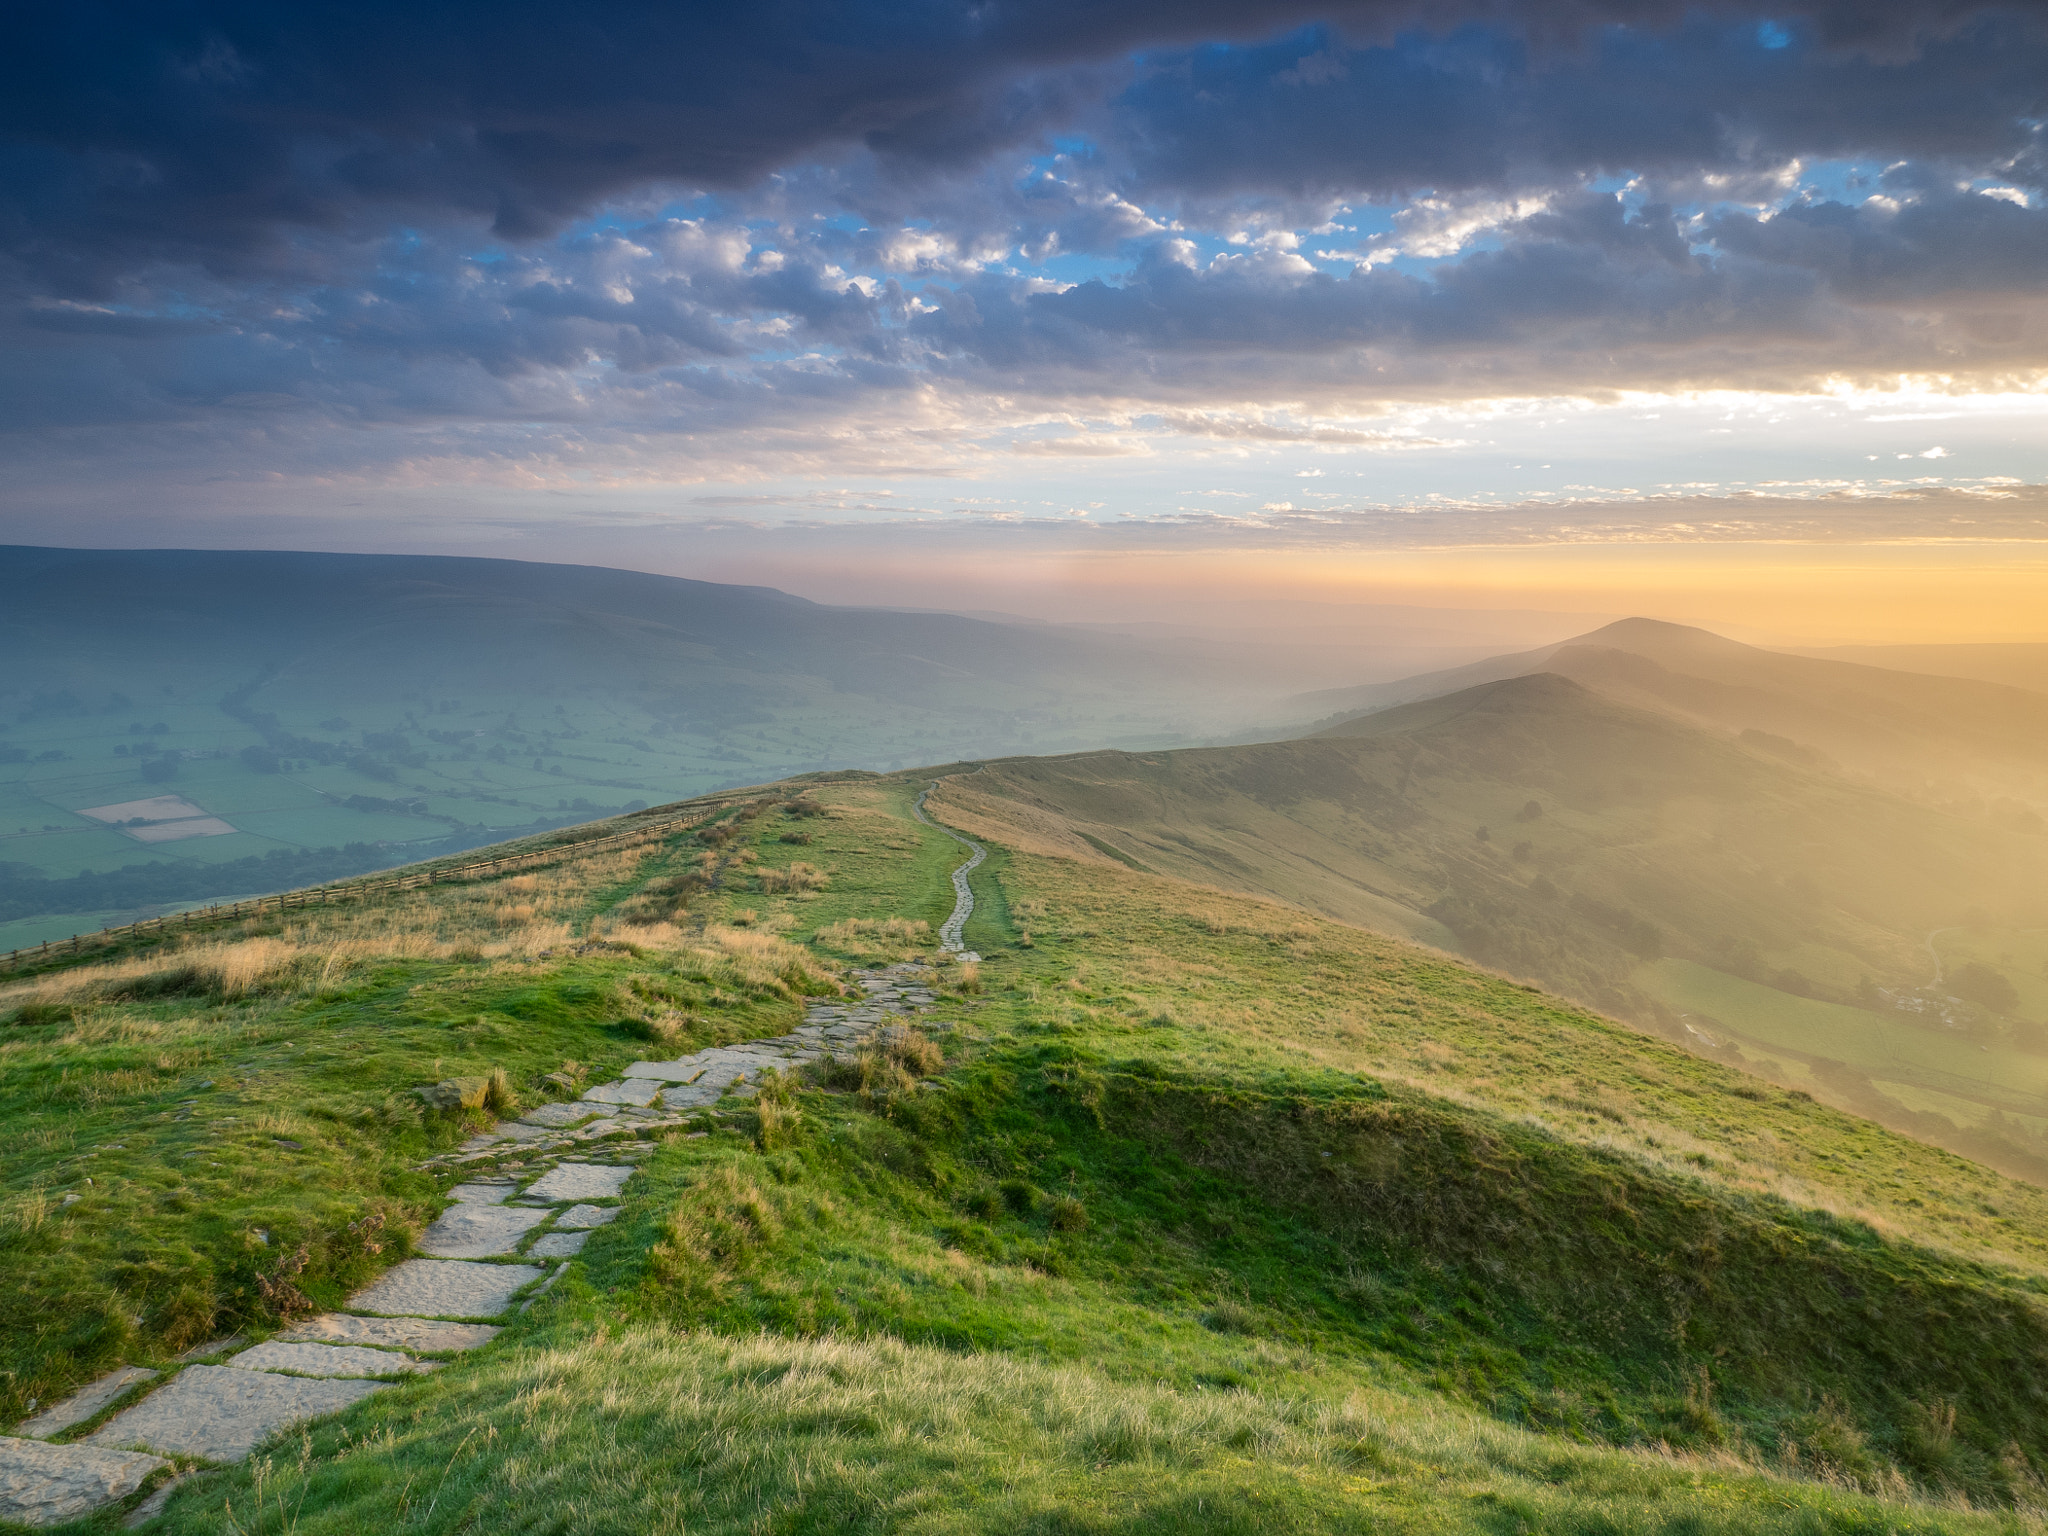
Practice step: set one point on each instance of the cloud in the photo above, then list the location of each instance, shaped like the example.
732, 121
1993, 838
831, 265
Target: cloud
1094, 446
518, 240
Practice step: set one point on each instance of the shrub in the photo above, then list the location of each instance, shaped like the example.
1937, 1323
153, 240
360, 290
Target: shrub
1069, 1215
1019, 1196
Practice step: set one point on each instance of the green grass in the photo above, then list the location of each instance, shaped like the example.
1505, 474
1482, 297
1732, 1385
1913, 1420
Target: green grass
1886, 1045
167, 1114
1221, 1217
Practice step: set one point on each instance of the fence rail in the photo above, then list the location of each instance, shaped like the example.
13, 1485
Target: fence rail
351, 890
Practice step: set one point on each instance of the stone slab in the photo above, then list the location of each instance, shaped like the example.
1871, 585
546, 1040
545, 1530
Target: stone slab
632, 1090
220, 1414
683, 1071
694, 1096
579, 1217
580, 1181
327, 1360
84, 1403
444, 1288
513, 1130
481, 1194
418, 1334
557, 1245
49, 1484
479, 1231
567, 1114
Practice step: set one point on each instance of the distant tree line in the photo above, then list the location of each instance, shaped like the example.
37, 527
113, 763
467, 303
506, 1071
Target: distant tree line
280, 744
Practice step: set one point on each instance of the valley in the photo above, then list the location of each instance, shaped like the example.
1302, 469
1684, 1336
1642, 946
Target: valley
323, 715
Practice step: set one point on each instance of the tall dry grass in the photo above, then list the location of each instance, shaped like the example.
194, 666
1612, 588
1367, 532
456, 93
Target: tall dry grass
891, 938
797, 878
232, 969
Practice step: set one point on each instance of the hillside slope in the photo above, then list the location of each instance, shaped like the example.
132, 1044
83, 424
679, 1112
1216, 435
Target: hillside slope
1900, 726
1625, 858
1215, 1216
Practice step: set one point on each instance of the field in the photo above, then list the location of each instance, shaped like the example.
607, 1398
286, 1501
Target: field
1880, 1044
1217, 1216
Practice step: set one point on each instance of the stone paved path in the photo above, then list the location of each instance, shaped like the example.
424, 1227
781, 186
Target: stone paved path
952, 933
568, 1167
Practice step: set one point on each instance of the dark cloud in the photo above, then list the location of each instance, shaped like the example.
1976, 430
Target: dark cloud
1307, 115
1935, 243
252, 224
216, 133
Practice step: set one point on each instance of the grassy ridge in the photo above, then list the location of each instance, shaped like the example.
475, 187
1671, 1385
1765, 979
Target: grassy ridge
1611, 853
1219, 1217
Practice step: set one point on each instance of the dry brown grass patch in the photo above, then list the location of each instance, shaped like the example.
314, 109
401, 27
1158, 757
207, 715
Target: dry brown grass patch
891, 938
798, 877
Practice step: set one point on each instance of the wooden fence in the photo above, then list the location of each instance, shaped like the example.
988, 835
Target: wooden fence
351, 890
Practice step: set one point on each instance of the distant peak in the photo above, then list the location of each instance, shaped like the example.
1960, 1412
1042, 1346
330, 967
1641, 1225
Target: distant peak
1658, 635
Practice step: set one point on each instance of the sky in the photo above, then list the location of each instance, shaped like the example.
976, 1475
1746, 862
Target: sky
1726, 312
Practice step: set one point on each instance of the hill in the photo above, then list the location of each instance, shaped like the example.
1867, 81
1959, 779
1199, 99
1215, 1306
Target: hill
1982, 739
1718, 889
1185, 1211
177, 725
